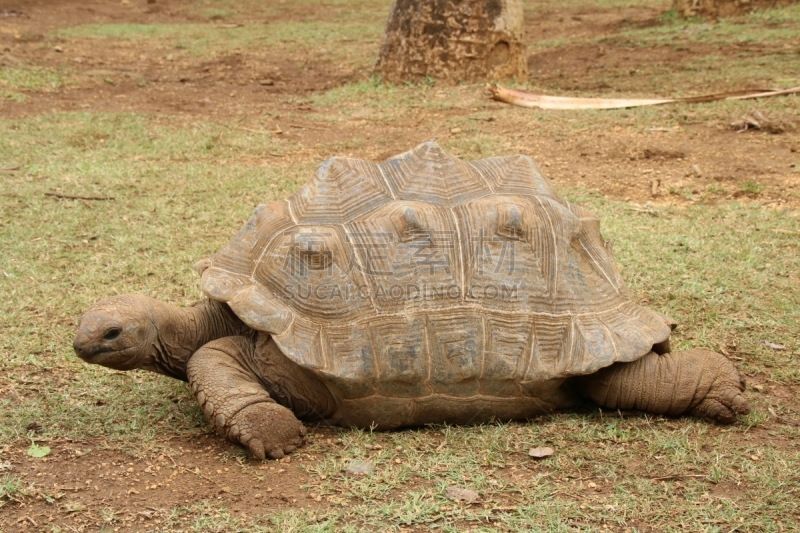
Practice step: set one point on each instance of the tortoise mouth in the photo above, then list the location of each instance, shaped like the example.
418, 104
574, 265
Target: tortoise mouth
126, 359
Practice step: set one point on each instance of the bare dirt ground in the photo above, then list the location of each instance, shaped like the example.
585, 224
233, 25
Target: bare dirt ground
706, 162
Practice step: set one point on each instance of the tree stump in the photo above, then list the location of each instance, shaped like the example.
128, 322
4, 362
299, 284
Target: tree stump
453, 40
723, 8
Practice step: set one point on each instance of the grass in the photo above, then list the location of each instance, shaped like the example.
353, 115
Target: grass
777, 27
62, 253
331, 40
343, 34
199, 39
15, 81
626, 473
10, 488
174, 203
726, 271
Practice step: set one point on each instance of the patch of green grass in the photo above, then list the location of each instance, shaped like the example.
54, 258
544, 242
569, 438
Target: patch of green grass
740, 292
325, 9
30, 78
62, 255
608, 471
15, 79
343, 37
550, 5
773, 26
752, 187
10, 487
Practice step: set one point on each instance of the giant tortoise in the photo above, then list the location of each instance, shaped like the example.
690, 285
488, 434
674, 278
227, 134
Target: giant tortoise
423, 289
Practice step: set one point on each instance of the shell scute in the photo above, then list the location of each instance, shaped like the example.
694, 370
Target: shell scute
428, 174
342, 189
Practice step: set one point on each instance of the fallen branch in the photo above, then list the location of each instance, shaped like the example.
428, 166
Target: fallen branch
11, 169
544, 101
77, 197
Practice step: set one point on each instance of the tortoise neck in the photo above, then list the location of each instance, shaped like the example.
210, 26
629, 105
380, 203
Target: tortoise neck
181, 331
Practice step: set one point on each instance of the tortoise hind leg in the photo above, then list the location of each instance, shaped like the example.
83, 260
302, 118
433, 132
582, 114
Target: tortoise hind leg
694, 382
234, 401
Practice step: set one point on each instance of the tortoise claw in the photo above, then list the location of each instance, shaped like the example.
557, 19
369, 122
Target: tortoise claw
277, 453
267, 430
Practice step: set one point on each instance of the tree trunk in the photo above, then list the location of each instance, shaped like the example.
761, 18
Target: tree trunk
453, 40
723, 8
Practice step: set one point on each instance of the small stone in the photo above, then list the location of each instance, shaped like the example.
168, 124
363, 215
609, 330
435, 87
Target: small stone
455, 130
464, 495
58, 48
267, 82
362, 468
542, 452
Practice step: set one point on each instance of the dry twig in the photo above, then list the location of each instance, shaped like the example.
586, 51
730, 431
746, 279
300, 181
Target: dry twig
77, 197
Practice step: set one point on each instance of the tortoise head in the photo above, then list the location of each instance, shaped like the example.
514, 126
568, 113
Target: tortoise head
118, 332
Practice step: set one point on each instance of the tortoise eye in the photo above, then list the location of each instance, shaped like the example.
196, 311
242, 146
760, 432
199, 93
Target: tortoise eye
112, 334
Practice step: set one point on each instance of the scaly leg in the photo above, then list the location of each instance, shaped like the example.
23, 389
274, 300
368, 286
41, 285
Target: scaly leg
694, 382
234, 401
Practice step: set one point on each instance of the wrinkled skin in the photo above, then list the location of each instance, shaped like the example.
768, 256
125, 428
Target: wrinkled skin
210, 347
256, 396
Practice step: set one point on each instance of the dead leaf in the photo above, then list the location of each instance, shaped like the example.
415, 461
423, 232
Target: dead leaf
38, 451
541, 453
463, 495
544, 101
773, 346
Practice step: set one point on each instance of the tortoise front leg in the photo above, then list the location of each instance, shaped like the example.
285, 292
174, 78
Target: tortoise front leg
694, 382
234, 401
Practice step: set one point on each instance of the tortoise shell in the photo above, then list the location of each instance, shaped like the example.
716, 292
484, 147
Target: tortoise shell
425, 274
